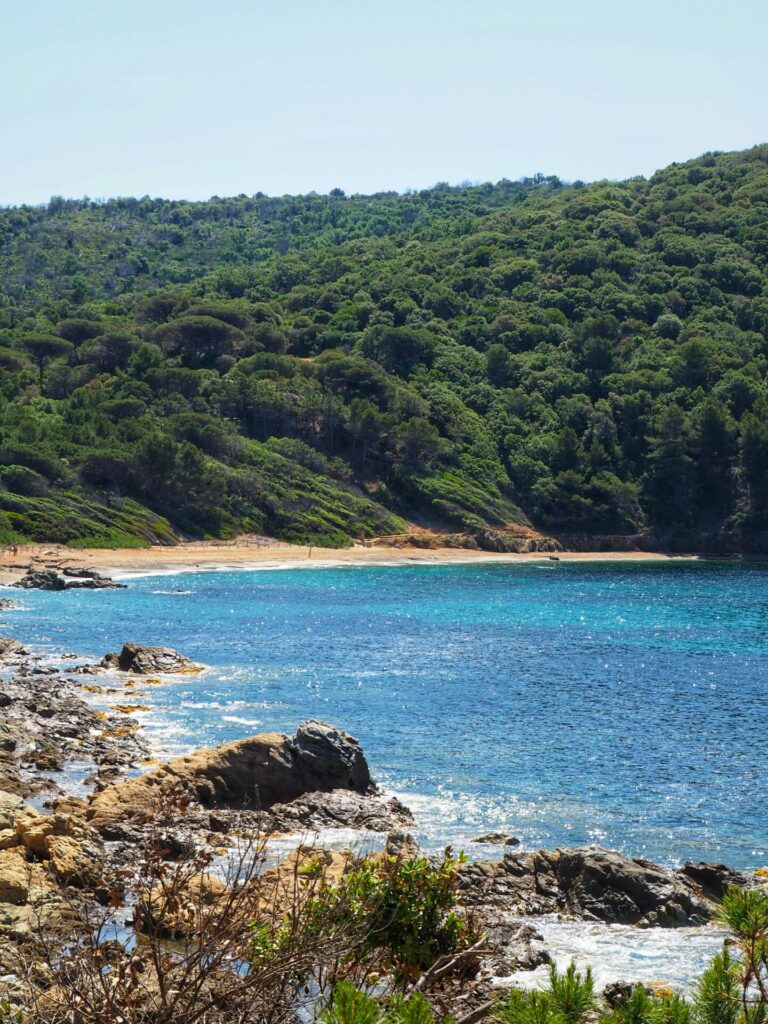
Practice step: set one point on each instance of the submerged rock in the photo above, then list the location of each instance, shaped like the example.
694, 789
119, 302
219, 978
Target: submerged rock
588, 882
497, 839
147, 661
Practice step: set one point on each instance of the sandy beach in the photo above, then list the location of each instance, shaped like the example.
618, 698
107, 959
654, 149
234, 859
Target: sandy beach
211, 556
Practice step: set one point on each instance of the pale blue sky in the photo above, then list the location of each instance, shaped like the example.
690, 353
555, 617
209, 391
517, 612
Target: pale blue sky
187, 99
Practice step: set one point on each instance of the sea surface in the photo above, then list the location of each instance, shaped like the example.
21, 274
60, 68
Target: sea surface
565, 703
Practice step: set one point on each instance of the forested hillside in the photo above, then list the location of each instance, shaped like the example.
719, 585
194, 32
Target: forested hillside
579, 358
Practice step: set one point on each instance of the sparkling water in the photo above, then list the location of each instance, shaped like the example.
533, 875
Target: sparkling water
566, 703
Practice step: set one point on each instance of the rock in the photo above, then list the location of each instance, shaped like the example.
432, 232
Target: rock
622, 890
33, 829
14, 877
89, 579
74, 849
5, 700
81, 574
48, 759
11, 650
70, 805
72, 579
42, 579
402, 845
587, 882
512, 946
617, 993
10, 806
713, 879
74, 861
10, 776
47, 723
497, 839
254, 773
8, 839
147, 661
339, 808
38, 855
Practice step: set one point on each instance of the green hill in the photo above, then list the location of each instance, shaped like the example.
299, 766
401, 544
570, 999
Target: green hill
580, 358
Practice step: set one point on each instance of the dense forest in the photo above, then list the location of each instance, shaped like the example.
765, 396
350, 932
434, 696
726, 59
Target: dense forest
582, 359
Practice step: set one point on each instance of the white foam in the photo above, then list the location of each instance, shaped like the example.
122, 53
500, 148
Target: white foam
241, 721
673, 956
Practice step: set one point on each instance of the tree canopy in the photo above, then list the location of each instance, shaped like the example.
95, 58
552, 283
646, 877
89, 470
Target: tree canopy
575, 358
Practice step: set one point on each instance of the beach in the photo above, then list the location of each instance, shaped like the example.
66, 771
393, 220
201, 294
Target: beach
265, 553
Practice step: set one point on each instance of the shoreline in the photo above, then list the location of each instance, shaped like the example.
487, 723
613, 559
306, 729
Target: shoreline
214, 556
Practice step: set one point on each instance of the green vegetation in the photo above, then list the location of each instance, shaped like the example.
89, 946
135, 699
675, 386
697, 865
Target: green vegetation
402, 911
580, 358
351, 1006
732, 990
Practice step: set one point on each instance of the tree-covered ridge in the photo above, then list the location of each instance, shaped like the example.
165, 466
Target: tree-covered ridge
585, 358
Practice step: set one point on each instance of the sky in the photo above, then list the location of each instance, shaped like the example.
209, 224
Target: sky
187, 99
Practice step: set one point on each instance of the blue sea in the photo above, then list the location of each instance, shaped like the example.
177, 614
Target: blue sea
565, 703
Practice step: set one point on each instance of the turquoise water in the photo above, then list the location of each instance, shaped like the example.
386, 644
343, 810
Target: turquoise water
619, 703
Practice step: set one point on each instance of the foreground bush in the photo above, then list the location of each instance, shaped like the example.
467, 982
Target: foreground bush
221, 937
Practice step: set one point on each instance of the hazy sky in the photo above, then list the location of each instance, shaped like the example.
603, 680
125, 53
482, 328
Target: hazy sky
188, 99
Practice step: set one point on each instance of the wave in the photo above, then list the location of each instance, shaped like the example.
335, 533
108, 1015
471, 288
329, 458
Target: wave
241, 721
675, 957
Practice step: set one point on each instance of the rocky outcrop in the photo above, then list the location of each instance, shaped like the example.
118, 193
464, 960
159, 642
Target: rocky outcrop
618, 889
149, 661
255, 773
67, 579
46, 723
587, 882
40, 854
714, 879
73, 850
340, 808
42, 579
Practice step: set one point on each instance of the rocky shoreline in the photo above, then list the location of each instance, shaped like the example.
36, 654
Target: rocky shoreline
72, 842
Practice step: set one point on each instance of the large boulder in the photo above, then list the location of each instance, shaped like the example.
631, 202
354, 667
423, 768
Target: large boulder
253, 773
148, 661
588, 882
